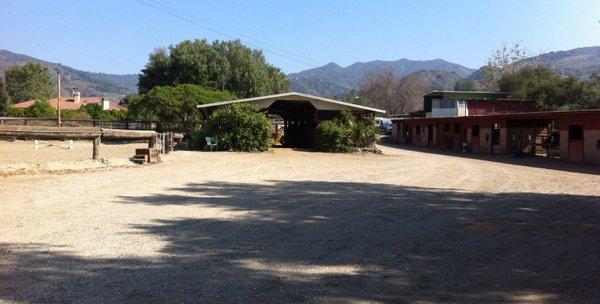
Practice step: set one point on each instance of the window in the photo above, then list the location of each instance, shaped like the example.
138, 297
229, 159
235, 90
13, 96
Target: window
575, 132
457, 128
447, 104
447, 127
475, 131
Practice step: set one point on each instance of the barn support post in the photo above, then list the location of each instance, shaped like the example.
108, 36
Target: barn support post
152, 142
96, 148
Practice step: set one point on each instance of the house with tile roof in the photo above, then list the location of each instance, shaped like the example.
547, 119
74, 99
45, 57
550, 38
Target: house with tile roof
74, 102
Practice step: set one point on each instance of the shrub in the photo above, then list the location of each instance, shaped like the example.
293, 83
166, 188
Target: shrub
345, 134
41, 109
74, 114
16, 112
93, 110
113, 115
240, 128
365, 133
332, 136
199, 138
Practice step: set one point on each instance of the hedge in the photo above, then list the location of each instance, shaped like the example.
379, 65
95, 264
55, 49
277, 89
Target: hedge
345, 134
240, 128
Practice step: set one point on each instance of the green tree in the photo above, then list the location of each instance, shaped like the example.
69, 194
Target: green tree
241, 127
548, 89
94, 110
222, 65
29, 81
591, 93
41, 109
465, 85
4, 99
174, 104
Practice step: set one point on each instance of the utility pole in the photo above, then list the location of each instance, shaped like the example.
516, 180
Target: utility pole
58, 101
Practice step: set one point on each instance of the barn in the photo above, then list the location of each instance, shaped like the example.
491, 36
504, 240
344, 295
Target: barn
298, 114
569, 135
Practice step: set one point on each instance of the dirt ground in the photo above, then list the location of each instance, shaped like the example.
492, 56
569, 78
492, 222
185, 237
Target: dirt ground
295, 227
20, 156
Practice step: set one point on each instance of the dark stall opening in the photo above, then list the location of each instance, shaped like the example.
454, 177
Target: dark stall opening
298, 122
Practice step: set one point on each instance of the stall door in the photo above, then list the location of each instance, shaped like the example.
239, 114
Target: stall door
475, 139
575, 143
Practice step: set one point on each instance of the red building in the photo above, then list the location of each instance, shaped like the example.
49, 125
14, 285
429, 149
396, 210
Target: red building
467, 103
568, 135
477, 107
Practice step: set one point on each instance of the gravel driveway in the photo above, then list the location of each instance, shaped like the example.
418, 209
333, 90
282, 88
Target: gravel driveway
296, 227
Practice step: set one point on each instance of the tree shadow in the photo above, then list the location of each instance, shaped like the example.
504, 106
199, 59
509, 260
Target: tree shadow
528, 161
311, 241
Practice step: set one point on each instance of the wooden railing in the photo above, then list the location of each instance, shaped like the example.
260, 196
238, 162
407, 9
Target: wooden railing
107, 124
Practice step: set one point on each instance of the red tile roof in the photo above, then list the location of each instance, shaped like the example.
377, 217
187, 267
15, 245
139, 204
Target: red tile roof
69, 103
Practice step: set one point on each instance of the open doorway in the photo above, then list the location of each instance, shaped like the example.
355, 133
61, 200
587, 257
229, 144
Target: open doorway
278, 129
540, 137
430, 135
495, 138
475, 139
299, 124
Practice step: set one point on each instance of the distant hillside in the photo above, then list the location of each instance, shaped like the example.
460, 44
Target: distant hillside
88, 83
332, 79
417, 84
580, 62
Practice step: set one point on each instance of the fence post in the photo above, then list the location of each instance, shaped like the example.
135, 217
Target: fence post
152, 142
96, 148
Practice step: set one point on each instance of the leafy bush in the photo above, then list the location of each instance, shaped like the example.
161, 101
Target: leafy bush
41, 109
364, 133
74, 114
345, 134
16, 112
240, 128
93, 110
333, 136
113, 115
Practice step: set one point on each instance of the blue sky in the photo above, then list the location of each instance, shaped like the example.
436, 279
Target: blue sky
114, 36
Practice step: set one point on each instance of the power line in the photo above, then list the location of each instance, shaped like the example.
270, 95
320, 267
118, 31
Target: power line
222, 33
236, 33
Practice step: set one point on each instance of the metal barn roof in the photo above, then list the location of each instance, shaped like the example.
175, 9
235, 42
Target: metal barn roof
318, 102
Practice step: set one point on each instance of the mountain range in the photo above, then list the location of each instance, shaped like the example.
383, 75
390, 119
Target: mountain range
331, 79
334, 80
112, 86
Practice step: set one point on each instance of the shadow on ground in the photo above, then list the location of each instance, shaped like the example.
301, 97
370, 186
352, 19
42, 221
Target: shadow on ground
529, 161
335, 242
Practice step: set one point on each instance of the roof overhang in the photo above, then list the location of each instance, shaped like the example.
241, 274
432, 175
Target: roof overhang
318, 102
514, 115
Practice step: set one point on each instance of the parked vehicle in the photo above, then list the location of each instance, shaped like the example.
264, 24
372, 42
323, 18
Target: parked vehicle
385, 124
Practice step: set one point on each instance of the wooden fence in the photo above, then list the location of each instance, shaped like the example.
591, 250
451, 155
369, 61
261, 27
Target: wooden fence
106, 124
